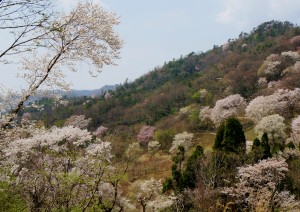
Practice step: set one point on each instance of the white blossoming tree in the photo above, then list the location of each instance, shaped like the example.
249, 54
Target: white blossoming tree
85, 35
78, 121
23, 20
232, 105
295, 126
273, 125
150, 196
100, 131
270, 67
64, 169
282, 102
182, 139
205, 114
153, 146
257, 188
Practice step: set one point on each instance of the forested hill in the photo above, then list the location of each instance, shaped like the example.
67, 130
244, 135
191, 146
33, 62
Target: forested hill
233, 68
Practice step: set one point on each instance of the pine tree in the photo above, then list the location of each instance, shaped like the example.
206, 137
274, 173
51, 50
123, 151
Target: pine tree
189, 174
219, 137
230, 137
256, 143
266, 147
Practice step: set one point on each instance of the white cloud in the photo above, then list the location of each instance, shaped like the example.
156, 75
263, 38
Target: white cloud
243, 13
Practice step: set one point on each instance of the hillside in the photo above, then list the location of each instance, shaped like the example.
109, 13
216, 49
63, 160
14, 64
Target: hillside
215, 131
223, 70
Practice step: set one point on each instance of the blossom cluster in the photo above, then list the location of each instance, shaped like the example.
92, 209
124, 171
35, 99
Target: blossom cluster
182, 139
150, 195
232, 105
273, 125
257, 186
282, 102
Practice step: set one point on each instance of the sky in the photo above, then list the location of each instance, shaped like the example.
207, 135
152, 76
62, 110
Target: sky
158, 31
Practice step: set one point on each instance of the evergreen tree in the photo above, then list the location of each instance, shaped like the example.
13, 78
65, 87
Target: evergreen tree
257, 152
266, 147
230, 137
189, 174
176, 181
183, 179
256, 143
219, 137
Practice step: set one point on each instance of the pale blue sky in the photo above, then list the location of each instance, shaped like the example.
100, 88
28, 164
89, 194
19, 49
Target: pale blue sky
157, 31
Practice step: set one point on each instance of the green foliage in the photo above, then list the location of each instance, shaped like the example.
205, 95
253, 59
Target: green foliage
219, 137
194, 121
184, 177
257, 152
260, 149
256, 143
269, 29
189, 174
10, 200
230, 137
277, 147
165, 138
265, 45
221, 168
293, 183
290, 145
196, 97
59, 123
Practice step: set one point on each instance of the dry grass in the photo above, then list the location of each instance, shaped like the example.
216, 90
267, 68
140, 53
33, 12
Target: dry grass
250, 135
205, 139
151, 165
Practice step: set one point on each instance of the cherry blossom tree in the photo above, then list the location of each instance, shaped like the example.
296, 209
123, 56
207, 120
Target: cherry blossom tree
293, 55
145, 135
153, 146
257, 188
100, 131
150, 196
26, 119
64, 169
23, 20
182, 139
273, 125
263, 106
108, 95
277, 65
232, 105
133, 150
295, 126
295, 41
78, 121
85, 35
270, 67
282, 102
205, 114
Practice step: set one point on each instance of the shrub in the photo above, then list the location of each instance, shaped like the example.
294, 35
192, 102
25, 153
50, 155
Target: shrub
165, 138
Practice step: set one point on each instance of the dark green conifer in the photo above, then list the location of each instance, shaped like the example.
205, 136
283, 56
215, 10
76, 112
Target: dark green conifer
189, 174
256, 143
230, 137
219, 137
266, 147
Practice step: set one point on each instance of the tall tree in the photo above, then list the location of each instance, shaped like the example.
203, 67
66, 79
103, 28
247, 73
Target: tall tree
85, 35
230, 137
266, 147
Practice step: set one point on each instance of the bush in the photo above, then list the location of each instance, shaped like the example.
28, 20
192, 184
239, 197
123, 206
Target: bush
165, 138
